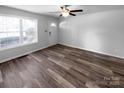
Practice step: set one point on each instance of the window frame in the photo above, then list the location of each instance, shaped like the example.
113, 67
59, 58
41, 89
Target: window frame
21, 44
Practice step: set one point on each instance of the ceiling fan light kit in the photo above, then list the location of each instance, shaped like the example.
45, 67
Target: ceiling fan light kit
65, 14
65, 11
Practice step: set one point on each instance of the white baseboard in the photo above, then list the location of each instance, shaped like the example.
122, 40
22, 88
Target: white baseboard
91, 50
1, 61
5, 60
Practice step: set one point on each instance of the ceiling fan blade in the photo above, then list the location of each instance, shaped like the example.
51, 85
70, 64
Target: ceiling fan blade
72, 14
60, 15
62, 7
76, 10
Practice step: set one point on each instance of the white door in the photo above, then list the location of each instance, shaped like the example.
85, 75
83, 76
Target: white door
52, 33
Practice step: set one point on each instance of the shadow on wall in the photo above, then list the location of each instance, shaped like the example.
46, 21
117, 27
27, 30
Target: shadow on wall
100, 31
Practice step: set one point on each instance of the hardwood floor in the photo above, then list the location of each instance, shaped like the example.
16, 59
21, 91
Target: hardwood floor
62, 67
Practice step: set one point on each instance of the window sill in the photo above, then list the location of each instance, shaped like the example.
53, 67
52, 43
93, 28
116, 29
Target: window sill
17, 46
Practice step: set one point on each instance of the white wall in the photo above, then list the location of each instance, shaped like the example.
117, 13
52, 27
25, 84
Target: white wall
101, 31
43, 24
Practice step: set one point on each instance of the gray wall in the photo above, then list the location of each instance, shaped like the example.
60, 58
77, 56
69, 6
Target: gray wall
100, 31
43, 22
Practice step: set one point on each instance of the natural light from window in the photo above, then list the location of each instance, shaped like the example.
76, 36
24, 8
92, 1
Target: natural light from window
16, 31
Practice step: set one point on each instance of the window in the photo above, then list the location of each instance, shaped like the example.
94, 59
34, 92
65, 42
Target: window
16, 31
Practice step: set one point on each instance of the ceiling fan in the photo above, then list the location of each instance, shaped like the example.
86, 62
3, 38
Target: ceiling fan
65, 11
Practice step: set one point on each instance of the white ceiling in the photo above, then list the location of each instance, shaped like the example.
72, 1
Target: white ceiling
46, 9
42, 9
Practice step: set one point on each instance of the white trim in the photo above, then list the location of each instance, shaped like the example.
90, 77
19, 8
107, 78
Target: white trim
16, 46
91, 50
21, 32
5, 60
20, 41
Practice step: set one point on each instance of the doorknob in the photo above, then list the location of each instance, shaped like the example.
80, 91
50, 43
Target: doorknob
49, 33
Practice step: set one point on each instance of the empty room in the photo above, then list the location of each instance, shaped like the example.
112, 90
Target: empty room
61, 46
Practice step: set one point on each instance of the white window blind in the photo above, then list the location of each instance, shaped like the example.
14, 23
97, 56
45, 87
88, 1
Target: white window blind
15, 31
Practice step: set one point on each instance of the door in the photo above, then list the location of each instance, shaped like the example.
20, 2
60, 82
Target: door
52, 33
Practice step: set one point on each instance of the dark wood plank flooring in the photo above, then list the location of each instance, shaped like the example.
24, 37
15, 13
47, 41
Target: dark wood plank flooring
62, 67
